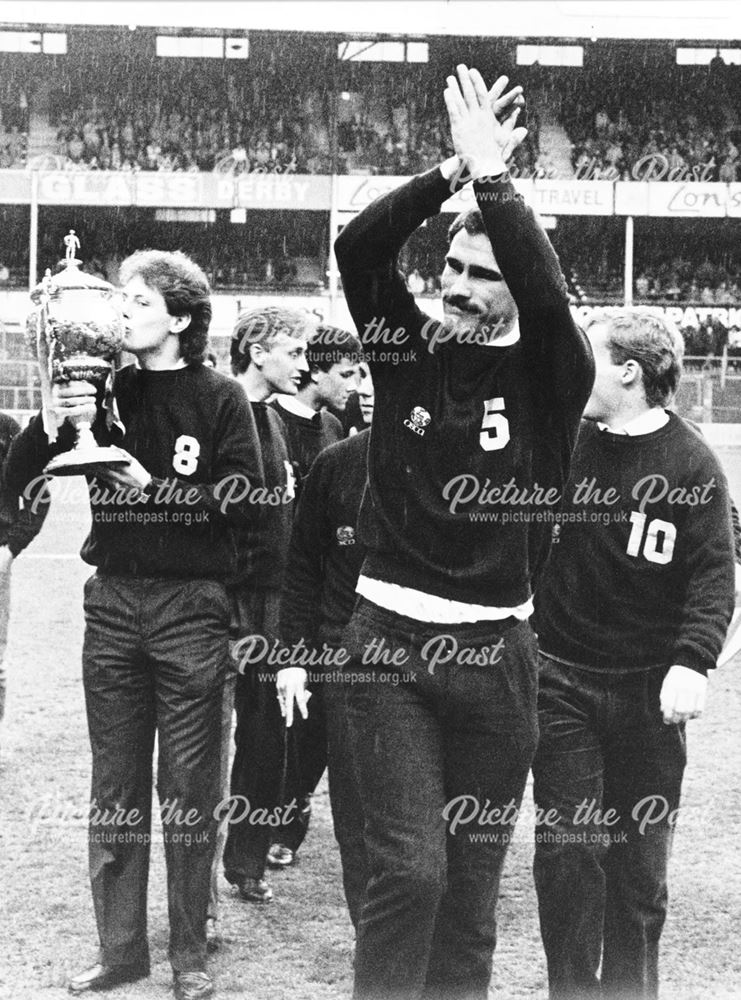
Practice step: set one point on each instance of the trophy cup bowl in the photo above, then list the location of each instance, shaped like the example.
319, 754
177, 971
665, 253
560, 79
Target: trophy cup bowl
76, 330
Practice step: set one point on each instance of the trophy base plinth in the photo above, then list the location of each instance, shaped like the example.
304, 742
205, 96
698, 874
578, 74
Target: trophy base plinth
81, 461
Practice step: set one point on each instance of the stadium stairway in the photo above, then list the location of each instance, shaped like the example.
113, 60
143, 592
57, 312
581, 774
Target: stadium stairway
554, 145
555, 151
42, 135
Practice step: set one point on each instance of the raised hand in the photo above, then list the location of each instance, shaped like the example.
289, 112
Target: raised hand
480, 140
504, 104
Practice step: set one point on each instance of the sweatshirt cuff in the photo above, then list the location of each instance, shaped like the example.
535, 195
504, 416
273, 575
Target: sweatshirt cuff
434, 189
154, 485
695, 659
495, 190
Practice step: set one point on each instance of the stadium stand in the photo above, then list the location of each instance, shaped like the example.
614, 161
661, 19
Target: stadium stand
630, 112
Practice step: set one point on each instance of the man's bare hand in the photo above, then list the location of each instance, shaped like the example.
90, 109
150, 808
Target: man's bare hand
133, 475
682, 694
74, 400
481, 141
291, 685
504, 104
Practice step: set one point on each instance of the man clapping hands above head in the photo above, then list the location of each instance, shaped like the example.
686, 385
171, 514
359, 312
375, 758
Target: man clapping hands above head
499, 396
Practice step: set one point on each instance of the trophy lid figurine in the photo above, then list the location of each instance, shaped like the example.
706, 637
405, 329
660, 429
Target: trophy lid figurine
76, 331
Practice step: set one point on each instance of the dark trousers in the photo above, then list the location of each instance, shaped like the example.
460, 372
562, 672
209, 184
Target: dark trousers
223, 810
309, 761
154, 658
424, 736
602, 881
262, 748
344, 797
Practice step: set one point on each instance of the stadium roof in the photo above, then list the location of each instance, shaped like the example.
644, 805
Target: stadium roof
679, 20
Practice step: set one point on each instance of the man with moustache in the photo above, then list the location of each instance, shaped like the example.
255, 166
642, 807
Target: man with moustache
157, 611
496, 391
631, 613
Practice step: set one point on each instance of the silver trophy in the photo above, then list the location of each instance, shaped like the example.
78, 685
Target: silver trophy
76, 331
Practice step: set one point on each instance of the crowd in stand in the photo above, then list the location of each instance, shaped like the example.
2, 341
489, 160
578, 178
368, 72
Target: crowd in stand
663, 146
159, 115
364, 147
677, 280
664, 142
13, 117
681, 280
93, 140
663, 123
642, 121
13, 145
235, 126
155, 139
191, 122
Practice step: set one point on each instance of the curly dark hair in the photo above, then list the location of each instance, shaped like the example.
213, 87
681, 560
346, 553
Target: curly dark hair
185, 289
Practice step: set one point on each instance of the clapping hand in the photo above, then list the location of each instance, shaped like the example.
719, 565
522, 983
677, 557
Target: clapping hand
504, 104
480, 139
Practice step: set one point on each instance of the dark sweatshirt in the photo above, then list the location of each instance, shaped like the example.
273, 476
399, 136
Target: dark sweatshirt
307, 436
641, 577
19, 523
325, 555
263, 545
492, 414
192, 429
